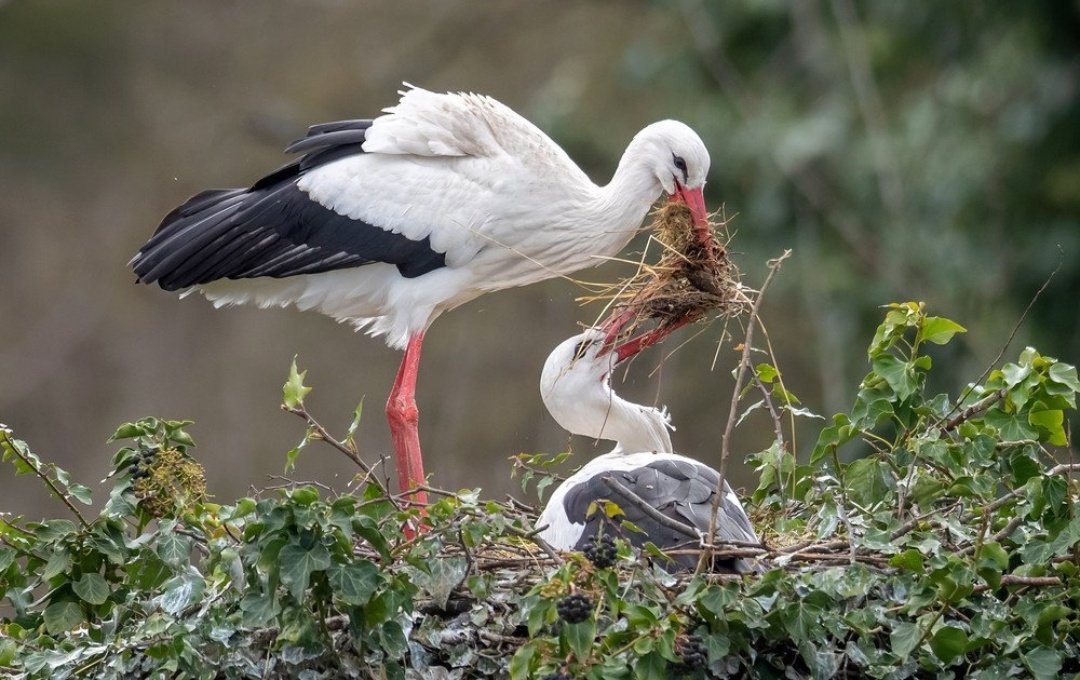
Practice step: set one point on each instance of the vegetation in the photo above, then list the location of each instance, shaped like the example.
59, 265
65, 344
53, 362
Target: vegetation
924, 535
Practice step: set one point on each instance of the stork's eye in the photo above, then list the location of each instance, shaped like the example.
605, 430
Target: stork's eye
680, 165
582, 347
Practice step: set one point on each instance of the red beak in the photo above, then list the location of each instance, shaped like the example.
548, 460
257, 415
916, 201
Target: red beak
628, 348
695, 200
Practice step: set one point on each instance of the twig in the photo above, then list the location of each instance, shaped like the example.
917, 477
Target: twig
1016, 328
733, 410
6, 435
1014, 580
638, 502
350, 453
973, 410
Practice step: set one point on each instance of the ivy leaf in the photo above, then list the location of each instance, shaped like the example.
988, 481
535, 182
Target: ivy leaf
80, 493
911, 560
297, 563
522, 660
948, 643
1043, 662
1052, 422
92, 588
1012, 427
258, 609
173, 548
356, 582
180, 591
62, 616
294, 390
904, 637
580, 637
900, 375
652, 666
939, 330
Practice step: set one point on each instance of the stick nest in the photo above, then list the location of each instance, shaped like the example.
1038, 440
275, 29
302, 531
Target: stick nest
690, 281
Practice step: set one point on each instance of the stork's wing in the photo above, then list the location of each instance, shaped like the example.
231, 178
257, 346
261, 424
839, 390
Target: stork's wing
276, 229
681, 490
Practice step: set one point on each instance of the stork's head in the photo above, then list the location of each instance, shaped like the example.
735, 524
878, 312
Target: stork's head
680, 162
576, 388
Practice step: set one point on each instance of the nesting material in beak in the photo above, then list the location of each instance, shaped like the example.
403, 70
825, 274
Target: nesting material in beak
693, 279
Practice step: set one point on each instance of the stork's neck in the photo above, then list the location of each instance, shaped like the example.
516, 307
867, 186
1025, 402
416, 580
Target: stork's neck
594, 410
631, 192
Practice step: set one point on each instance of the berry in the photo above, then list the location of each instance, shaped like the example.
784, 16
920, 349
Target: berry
561, 675
691, 649
601, 551
574, 608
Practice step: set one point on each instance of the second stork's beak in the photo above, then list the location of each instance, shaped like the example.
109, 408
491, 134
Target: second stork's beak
695, 200
624, 349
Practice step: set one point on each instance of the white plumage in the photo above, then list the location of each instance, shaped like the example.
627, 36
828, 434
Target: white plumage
387, 223
576, 388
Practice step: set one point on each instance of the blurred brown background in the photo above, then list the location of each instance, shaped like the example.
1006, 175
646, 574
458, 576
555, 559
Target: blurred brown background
903, 150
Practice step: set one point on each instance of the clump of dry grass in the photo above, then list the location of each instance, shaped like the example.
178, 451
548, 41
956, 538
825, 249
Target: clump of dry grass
692, 280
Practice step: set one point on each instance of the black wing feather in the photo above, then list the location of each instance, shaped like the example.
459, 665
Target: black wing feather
678, 489
275, 229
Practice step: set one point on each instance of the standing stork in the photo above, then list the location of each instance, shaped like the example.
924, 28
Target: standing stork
576, 388
388, 223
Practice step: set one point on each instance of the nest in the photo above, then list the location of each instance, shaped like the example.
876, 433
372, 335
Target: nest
691, 281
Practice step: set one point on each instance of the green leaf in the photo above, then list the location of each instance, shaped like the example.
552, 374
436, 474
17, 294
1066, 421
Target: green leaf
173, 548
652, 666
1052, 422
258, 609
355, 582
92, 588
297, 563
80, 493
911, 560
62, 616
8, 649
180, 591
1012, 427
1043, 662
939, 330
58, 563
294, 390
766, 373
521, 662
904, 637
1065, 374
948, 643
580, 637
900, 375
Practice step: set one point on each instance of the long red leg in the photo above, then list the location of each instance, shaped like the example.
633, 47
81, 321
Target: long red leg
403, 415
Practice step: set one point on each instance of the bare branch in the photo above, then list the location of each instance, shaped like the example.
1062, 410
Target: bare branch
639, 503
733, 410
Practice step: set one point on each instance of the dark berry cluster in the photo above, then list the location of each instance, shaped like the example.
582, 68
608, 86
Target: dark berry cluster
691, 649
601, 551
141, 465
574, 608
561, 675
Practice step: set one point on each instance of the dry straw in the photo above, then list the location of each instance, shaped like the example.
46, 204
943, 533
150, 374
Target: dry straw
692, 280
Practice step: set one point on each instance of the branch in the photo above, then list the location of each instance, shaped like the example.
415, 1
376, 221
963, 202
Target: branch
654, 514
1013, 580
1015, 330
973, 410
733, 409
350, 452
5, 434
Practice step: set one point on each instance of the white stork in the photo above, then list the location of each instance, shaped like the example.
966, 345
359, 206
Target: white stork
576, 388
388, 223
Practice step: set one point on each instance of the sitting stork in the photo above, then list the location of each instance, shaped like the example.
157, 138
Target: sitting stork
576, 388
